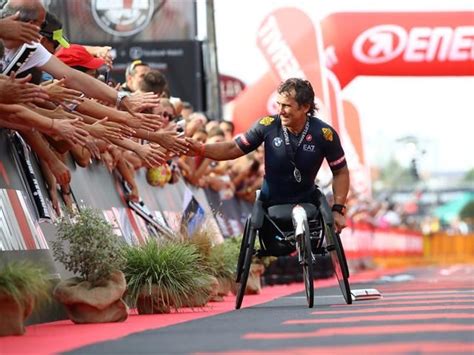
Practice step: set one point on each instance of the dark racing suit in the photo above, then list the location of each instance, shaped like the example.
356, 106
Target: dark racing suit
279, 185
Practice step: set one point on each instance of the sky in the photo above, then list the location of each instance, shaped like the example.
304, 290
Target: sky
436, 110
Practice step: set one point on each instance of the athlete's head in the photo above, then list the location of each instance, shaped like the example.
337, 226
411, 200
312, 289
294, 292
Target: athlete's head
301, 90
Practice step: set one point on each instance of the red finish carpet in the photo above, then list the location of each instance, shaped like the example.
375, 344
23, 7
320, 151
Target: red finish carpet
61, 336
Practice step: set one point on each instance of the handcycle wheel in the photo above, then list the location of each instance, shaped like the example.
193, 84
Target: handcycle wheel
244, 241
248, 247
307, 266
339, 262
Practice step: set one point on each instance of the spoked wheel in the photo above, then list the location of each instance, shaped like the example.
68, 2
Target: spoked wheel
247, 248
307, 266
339, 262
240, 260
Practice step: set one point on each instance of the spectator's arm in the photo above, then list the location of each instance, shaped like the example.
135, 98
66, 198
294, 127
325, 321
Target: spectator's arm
151, 155
45, 153
99, 111
101, 52
27, 119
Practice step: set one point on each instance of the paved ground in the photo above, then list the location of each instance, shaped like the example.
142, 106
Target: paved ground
422, 311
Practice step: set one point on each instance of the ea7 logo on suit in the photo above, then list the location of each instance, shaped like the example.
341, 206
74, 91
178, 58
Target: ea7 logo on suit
308, 147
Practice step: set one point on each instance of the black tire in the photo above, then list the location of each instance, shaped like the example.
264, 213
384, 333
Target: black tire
244, 241
339, 263
308, 274
247, 261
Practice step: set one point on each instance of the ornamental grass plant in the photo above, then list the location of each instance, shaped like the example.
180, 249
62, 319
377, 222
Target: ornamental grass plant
164, 274
24, 286
25, 280
223, 259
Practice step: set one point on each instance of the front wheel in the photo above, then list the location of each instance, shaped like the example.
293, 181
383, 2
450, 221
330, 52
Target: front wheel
247, 249
307, 259
243, 248
339, 262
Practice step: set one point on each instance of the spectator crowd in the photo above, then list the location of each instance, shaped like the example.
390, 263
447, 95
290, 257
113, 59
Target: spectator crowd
58, 97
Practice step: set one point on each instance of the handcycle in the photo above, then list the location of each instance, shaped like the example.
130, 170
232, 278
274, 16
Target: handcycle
285, 229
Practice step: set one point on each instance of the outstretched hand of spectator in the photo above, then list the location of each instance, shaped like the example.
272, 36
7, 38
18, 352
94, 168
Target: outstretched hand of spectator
102, 131
93, 147
57, 113
144, 121
20, 91
101, 52
139, 102
69, 130
150, 154
172, 140
125, 130
58, 93
11, 28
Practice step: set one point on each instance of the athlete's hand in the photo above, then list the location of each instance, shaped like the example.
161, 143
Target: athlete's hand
339, 221
194, 147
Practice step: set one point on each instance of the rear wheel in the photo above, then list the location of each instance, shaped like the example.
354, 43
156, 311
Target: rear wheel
247, 248
334, 245
307, 266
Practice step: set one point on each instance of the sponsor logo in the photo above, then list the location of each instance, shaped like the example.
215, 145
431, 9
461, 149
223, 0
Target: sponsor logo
308, 147
327, 134
135, 52
122, 17
266, 121
277, 141
381, 44
308, 137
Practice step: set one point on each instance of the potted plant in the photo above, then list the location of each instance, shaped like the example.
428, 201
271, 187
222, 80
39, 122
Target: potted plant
216, 258
164, 275
87, 246
23, 286
222, 264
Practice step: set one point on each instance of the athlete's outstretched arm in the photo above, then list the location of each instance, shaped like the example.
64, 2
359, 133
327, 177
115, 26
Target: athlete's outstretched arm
216, 151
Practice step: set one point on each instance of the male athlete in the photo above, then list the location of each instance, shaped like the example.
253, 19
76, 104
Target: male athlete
296, 143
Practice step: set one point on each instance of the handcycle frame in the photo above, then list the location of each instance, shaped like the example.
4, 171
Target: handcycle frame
308, 226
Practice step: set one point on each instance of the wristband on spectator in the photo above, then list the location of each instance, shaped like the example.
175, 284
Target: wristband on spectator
341, 209
71, 106
120, 96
